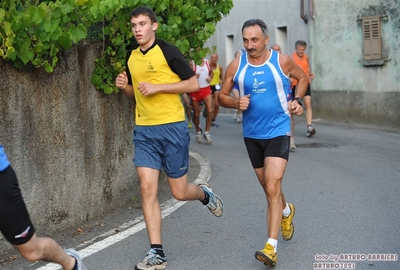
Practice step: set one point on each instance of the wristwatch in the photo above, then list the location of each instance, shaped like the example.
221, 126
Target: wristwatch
299, 100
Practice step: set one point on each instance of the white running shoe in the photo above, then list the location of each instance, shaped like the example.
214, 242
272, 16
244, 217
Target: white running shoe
152, 261
207, 136
73, 253
234, 114
215, 205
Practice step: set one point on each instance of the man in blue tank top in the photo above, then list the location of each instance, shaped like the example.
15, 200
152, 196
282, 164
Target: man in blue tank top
262, 76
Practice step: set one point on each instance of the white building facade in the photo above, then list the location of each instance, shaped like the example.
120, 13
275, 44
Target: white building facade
352, 45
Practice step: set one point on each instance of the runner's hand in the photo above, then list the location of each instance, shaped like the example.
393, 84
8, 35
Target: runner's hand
122, 80
147, 88
296, 108
244, 102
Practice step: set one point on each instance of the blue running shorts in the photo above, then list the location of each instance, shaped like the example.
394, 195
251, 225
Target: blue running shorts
163, 147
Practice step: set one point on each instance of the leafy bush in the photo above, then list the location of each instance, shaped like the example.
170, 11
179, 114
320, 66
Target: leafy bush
34, 31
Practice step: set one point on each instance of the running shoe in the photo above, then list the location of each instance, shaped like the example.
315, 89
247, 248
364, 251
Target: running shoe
310, 131
207, 136
214, 124
152, 261
205, 114
190, 125
292, 144
234, 114
215, 205
73, 253
267, 255
198, 137
287, 226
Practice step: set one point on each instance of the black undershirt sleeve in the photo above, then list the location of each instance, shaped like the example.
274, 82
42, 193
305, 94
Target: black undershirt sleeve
178, 64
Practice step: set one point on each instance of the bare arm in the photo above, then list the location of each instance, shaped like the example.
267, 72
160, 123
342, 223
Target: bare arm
309, 70
210, 75
185, 86
192, 65
122, 83
289, 66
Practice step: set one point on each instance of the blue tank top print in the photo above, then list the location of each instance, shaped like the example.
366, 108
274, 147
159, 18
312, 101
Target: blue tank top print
267, 115
4, 163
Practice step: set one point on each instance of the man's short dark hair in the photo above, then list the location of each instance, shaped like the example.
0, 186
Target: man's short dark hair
146, 11
253, 22
300, 43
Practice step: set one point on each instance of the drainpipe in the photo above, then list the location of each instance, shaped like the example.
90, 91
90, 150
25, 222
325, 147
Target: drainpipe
311, 8
302, 15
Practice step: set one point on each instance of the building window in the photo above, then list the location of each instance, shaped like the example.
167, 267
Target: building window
372, 38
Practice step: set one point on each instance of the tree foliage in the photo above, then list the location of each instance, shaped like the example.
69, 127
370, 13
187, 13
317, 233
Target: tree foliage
35, 31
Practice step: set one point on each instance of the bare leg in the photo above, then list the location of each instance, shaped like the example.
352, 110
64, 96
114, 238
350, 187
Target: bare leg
44, 248
180, 189
196, 115
216, 106
292, 143
308, 107
208, 103
270, 178
292, 124
184, 191
238, 112
291, 118
150, 204
187, 107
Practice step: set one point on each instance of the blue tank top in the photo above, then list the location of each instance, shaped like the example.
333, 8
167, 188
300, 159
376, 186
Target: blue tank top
4, 163
267, 115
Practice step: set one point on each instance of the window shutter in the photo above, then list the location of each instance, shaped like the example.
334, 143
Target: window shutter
372, 38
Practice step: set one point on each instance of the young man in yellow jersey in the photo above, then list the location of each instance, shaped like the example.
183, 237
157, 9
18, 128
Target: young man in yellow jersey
156, 74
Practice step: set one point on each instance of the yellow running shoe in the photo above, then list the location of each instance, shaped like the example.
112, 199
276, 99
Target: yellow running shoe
267, 255
287, 226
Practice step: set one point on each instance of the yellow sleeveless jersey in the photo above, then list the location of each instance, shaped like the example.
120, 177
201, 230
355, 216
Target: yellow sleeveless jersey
162, 63
216, 79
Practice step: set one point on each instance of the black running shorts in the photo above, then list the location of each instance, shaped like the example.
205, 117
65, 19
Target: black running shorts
15, 223
308, 91
260, 149
214, 89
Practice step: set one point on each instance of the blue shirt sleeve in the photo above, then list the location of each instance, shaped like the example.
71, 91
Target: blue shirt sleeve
4, 163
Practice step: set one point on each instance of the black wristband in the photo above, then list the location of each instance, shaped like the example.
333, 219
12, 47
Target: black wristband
299, 100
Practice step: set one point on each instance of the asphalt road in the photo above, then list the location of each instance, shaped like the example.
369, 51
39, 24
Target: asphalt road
344, 183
